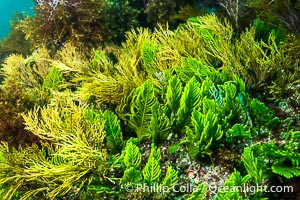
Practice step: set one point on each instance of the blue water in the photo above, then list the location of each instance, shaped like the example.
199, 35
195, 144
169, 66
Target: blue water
7, 10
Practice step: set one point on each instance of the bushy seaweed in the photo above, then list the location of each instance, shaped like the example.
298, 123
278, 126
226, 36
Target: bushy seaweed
94, 121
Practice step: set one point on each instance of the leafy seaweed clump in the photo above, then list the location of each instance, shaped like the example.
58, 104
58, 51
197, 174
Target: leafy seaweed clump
166, 109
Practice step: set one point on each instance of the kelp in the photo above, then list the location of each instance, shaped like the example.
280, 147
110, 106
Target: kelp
106, 118
114, 136
278, 13
147, 54
87, 23
258, 63
71, 157
99, 78
235, 182
206, 132
202, 111
199, 193
13, 101
149, 176
22, 88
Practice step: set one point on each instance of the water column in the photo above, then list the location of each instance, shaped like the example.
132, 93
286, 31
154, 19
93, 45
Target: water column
7, 10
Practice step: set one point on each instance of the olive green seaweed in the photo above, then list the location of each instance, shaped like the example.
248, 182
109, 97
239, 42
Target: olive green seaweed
103, 118
73, 154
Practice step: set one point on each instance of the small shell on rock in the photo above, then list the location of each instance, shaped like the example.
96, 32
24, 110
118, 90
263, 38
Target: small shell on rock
191, 174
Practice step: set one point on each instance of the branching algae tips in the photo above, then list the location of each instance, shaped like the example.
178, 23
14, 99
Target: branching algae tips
151, 99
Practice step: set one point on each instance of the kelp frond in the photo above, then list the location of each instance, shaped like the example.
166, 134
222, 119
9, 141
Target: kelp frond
73, 157
30, 71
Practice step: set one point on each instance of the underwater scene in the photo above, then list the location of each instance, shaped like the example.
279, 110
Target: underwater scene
150, 99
